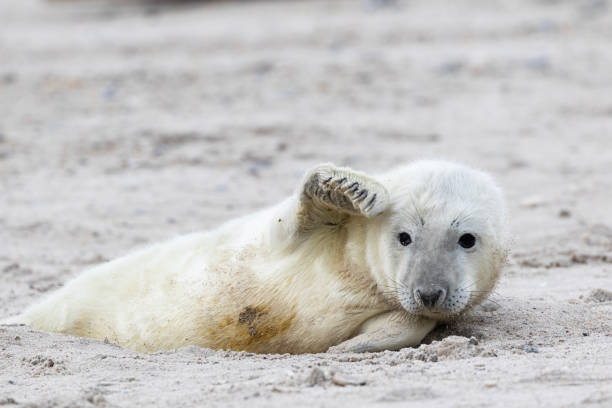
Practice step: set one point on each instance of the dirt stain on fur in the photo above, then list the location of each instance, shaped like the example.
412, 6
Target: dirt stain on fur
248, 318
255, 328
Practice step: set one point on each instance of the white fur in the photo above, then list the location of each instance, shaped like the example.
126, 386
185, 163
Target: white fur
280, 281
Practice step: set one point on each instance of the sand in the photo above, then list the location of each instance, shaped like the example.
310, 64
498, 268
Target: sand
127, 125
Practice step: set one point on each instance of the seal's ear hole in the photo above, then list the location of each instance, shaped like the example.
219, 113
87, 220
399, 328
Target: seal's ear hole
467, 241
404, 238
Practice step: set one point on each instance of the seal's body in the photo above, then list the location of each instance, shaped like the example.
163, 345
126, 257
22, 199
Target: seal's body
348, 263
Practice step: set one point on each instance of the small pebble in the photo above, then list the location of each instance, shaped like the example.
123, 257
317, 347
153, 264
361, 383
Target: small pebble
343, 381
473, 341
565, 214
97, 399
316, 377
532, 202
490, 384
585, 334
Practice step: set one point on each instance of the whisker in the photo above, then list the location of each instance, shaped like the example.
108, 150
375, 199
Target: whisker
470, 285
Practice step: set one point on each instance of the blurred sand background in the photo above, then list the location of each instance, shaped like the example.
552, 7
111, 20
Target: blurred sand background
127, 123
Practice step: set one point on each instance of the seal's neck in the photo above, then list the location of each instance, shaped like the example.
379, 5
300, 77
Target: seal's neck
367, 256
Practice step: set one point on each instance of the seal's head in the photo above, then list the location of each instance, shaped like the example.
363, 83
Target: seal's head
442, 242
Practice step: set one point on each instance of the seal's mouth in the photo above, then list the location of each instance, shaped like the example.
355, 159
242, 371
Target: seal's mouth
434, 302
440, 315
436, 314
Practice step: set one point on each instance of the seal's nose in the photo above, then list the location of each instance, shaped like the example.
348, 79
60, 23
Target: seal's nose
430, 296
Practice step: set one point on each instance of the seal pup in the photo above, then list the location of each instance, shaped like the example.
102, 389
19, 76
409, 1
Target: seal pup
349, 263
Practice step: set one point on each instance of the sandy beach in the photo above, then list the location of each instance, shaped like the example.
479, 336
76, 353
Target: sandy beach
124, 125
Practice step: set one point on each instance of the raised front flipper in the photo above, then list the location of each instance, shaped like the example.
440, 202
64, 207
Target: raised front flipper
330, 195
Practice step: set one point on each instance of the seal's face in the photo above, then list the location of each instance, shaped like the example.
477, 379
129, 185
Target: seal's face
443, 239
438, 268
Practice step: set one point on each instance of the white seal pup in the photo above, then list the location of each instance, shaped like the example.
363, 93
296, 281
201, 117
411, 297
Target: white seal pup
348, 263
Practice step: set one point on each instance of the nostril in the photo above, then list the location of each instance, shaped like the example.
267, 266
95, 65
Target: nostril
417, 296
441, 295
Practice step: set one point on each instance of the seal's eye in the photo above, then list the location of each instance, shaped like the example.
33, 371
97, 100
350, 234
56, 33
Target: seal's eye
467, 241
404, 238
